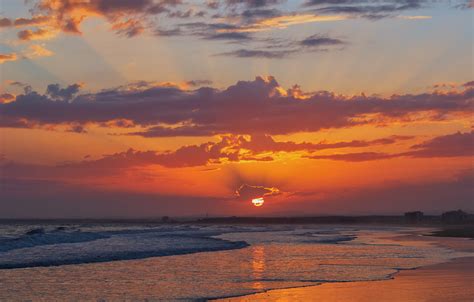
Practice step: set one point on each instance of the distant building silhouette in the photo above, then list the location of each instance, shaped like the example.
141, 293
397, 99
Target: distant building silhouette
458, 216
413, 217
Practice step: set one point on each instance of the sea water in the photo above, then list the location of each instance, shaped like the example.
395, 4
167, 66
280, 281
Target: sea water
116, 262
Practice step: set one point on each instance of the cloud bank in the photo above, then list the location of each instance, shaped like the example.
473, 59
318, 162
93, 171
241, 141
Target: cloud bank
254, 107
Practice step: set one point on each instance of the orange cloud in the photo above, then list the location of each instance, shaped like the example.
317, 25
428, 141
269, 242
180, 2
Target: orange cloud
6, 97
39, 34
36, 50
5, 57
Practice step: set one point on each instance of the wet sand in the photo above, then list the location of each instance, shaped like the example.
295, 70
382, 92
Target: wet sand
449, 281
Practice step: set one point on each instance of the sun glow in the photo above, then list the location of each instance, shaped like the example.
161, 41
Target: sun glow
258, 202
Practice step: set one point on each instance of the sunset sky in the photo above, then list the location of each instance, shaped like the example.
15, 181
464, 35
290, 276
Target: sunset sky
145, 108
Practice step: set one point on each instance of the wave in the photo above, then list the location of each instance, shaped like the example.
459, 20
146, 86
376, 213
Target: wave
59, 247
38, 237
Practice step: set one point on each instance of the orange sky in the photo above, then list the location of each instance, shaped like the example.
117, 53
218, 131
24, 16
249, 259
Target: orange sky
152, 108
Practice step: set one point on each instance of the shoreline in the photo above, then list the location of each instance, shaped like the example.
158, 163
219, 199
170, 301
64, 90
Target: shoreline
446, 281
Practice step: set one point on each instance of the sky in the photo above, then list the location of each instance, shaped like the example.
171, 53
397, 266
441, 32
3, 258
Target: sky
148, 108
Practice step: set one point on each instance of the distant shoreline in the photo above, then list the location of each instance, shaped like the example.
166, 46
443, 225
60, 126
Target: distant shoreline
428, 220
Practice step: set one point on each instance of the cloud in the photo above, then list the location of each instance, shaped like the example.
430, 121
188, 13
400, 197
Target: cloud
274, 49
469, 84
196, 83
39, 34
355, 157
5, 22
267, 54
246, 192
6, 97
466, 4
414, 17
36, 50
253, 3
128, 28
284, 21
126, 17
34, 21
365, 8
229, 149
229, 36
5, 57
261, 106
318, 40
63, 94
451, 145
265, 143
19, 22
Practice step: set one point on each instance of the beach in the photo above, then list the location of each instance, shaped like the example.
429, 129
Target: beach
449, 281
452, 281
141, 262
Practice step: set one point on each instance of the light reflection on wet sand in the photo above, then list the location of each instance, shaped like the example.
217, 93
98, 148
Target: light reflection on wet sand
258, 266
452, 281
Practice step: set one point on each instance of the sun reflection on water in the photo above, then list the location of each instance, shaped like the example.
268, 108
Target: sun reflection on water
258, 266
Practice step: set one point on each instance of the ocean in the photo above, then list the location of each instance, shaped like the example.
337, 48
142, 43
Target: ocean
185, 262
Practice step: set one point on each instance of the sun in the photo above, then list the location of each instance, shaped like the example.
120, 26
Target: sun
258, 202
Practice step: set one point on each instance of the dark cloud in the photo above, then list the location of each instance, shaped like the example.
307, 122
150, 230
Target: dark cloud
207, 31
168, 32
248, 107
34, 21
465, 4
265, 143
469, 84
230, 36
196, 83
64, 94
248, 53
212, 4
5, 22
253, 3
258, 14
77, 129
355, 157
182, 14
276, 49
371, 9
452, 145
246, 192
457, 144
318, 40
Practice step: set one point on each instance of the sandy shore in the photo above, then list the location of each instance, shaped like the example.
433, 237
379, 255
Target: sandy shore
449, 281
